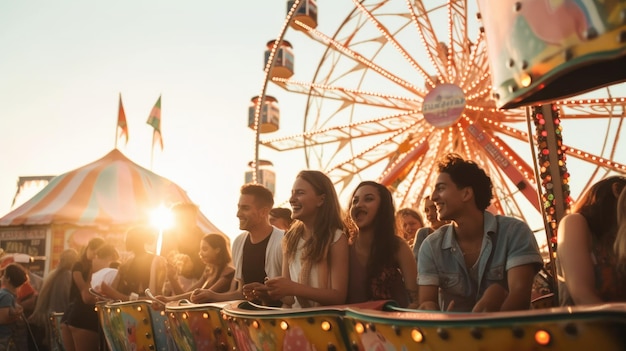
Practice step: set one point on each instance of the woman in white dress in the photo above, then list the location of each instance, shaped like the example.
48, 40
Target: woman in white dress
315, 249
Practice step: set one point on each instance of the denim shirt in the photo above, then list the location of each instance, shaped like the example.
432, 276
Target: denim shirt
441, 263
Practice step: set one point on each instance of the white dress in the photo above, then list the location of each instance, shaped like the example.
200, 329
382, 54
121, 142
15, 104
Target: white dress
296, 266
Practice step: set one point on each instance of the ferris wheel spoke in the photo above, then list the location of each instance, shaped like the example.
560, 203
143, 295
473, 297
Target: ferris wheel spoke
589, 115
421, 179
505, 194
400, 165
436, 54
403, 190
347, 95
390, 37
477, 63
479, 89
501, 128
503, 149
597, 160
591, 103
458, 41
611, 110
341, 135
369, 156
516, 170
357, 57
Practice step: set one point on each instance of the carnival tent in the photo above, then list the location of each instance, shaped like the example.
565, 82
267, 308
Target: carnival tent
106, 196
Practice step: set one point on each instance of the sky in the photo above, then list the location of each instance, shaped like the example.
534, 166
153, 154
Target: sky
64, 64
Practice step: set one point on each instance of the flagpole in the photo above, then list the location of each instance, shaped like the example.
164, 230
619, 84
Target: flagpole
117, 122
154, 119
152, 151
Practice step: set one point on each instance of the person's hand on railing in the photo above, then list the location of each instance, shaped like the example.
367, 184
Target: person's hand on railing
158, 302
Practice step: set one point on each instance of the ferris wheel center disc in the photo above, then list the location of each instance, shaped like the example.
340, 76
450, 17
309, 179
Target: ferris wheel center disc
443, 105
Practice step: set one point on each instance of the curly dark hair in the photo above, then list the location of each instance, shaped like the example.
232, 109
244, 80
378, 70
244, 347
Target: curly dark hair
466, 173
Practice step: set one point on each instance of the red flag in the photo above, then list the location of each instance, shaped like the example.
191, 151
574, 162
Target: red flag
155, 121
121, 121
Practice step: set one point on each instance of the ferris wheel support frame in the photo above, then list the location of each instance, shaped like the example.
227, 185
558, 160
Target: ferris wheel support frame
482, 138
402, 167
259, 106
554, 172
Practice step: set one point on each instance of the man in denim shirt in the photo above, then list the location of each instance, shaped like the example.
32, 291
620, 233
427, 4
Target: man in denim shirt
479, 262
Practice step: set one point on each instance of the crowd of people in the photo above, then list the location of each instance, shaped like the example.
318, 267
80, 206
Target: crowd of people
463, 258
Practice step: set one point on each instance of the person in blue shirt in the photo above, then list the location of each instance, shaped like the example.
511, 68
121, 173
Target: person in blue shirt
479, 262
12, 277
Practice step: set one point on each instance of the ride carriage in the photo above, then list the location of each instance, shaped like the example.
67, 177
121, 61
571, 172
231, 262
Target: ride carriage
378, 325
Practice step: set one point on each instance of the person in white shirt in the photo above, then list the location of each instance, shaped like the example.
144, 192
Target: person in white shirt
102, 271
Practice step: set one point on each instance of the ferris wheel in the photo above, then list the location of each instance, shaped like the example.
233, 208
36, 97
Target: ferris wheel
398, 84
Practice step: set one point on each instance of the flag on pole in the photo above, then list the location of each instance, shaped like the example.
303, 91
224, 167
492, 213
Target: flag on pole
121, 122
155, 121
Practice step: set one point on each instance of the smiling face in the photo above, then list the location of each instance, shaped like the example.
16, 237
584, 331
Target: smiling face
250, 214
364, 206
304, 201
207, 253
410, 225
430, 209
448, 197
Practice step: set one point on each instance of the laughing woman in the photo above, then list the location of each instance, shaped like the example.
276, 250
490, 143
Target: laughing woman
315, 249
382, 266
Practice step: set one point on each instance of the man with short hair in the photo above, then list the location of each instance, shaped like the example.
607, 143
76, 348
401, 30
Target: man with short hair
257, 252
479, 262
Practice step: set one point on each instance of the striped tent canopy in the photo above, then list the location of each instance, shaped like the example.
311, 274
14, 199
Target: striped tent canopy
112, 191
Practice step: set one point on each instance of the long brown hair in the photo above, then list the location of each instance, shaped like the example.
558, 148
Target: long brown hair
598, 205
386, 241
327, 221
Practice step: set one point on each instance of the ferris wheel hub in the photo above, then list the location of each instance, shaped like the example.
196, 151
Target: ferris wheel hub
444, 105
